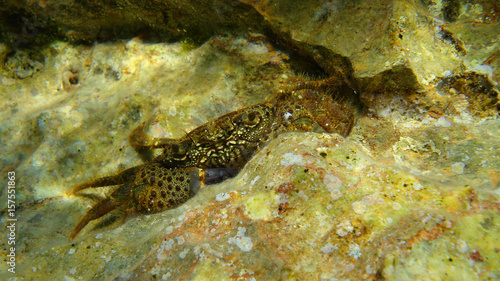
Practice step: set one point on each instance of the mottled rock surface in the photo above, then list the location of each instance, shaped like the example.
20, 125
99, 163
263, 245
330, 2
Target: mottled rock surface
411, 194
431, 37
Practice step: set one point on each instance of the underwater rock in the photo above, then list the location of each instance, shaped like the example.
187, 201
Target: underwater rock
411, 193
279, 219
25, 24
430, 37
23, 64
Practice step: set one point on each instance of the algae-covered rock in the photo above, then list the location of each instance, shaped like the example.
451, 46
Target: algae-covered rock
306, 205
411, 193
431, 37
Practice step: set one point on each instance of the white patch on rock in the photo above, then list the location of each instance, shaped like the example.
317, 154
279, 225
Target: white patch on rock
118, 230
184, 253
180, 240
442, 122
169, 229
371, 199
167, 245
418, 186
241, 231
8, 81
462, 246
302, 195
344, 228
257, 48
329, 248
396, 206
254, 180
336, 195
333, 184
157, 131
354, 250
457, 168
290, 159
244, 243
222, 196
448, 73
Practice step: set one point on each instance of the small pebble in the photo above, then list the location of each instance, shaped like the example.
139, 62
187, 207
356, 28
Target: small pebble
157, 131
180, 240
71, 251
344, 228
457, 168
336, 194
8, 81
462, 246
359, 207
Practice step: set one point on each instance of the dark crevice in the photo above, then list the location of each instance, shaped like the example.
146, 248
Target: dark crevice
451, 10
455, 41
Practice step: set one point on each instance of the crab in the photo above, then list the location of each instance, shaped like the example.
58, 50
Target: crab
217, 150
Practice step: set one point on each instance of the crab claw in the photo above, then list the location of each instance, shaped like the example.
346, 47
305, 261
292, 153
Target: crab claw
168, 188
150, 188
216, 175
99, 210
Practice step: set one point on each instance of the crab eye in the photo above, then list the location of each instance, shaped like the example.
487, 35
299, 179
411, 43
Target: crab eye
251, 118
176, 148
180, 149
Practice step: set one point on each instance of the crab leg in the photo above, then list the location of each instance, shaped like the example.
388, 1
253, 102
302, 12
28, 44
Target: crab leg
123, 177
99, 210
139, 139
